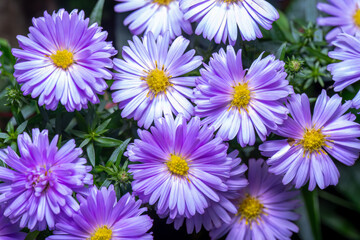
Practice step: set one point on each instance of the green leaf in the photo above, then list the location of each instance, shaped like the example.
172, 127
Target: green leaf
91, 153
311, 202
79, 134
21, 127
32, 235
106, 183
96, 14
84, 143
4, 135
280, 54
102, 126
108, 142
118, 152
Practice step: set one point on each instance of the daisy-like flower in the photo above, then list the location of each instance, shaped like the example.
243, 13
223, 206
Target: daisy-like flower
40, 183
304, 155
238, 101
64, 60
347, 71
220, 212
102, 217
181, 166
221, 19
344, 15
149, 82
9, 231
265, 209
156, 16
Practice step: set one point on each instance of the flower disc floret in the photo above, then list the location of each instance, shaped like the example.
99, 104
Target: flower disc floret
62, 58
102, 233
241, 96
157, 80
163, 2
250, 209
177, 165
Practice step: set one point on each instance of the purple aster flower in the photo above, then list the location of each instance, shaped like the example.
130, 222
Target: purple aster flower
181, 166
220, 212
40, 183
149, 82
221, 19
156, 16
348, 71
238, 101
344, 16
64, 60
102, 217
304, 155
265, 209
9, 231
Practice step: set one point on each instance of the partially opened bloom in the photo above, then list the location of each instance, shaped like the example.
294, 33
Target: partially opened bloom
220, 212
40, 183
265, 208
102, 217
304, 156
344, 16
181, 166
347, 71
221, 19
156, 16
150, 83
238, 101
8, 230
64, 60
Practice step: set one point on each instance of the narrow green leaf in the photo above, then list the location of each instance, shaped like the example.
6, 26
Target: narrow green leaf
118, 152
96, 14
107, 141
4, 135
280, 54
21, 127
91, 153
311, 202
32, 235
102, 126
84, 143
79, 134
106, 183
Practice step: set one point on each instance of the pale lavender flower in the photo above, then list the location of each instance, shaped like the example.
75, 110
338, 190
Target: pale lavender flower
65, 60
304, 156
9, 231
40, 183
156, 16
241, 101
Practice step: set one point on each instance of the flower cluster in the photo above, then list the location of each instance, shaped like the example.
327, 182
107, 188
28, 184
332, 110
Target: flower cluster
181, 163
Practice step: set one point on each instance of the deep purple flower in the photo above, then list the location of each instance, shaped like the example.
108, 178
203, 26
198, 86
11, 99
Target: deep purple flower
220, 212
304, 155
156, 16
238, 101
40, 183
181, 166
265, 209
344, 16
221, 19
102, 217
150, 83
64, 60
347, 71
9, 231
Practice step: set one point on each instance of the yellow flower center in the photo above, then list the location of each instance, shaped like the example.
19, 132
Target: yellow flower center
231, 1
250, 209
177, 165
241, 97
163, 2
62, 58
103, 233
157, 80
313, 140
356, 18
